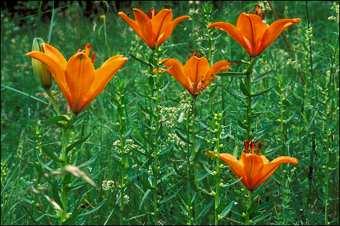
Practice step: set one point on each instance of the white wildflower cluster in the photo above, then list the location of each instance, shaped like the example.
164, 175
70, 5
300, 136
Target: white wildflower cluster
293, 63
108, 185
264, 6
126, 199
169, 116
192, 12
175, 139
309, 34
335, 8
4, 170
128, 147
194, 2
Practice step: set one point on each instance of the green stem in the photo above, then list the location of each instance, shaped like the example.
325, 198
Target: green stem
49, 37
190, 164
124, 162
64, 181
248, 207
53, 102
156, 126
249, 99
217, 177
233, 74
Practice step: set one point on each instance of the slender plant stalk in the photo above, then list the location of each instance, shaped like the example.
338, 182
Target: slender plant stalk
124, 162
65, 177
217, 177
248, 208
249, 99
155, 131
53, 101
312, 133
249, 119
190, 164
51, 24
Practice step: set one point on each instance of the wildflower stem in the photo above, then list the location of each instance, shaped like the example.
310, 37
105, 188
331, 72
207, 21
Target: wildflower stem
65, 177
53, 101
156, 128
236, 73
105, 32
190, 161
249, 99
140, 60
49, 37
248, 207
218, 129
124, 162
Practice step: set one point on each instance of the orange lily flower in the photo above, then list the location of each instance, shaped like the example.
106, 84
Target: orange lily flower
254, 168
196, 74
77, 79
153, 28
252, 33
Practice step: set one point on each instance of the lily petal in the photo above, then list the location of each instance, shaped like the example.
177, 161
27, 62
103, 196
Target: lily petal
196, 68
219, 66
235, 33
79, 76
273, 32
55, 54
167, 31
245, 26
269, 168
160, 21
56, 70
133, 24
102, 77
179, 20
235, 165
254, 165
145, 26
252, 27
175, 68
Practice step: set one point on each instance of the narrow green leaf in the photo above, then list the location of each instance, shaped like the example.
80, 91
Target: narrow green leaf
205, 210
93, 210
244, 88
226, 210
145, 196
77, 142
261, 92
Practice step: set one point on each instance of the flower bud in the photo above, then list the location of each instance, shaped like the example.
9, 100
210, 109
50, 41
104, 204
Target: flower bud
40, 69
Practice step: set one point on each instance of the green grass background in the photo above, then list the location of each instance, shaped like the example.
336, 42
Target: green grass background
299, 117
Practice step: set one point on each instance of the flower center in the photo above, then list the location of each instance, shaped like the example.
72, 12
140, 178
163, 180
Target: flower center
151, 13
252, 147
88, 51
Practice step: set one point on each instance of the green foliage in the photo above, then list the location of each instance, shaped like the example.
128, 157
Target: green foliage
133, 151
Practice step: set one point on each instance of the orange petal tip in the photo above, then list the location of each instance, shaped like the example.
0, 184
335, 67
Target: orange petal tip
121, 13
295, 161
29, 53
296, 20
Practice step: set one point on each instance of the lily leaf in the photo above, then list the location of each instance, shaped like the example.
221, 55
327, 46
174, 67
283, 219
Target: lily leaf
261, 92
145, 196
244, 88
226, 210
